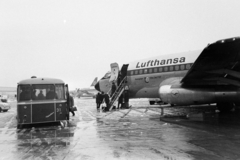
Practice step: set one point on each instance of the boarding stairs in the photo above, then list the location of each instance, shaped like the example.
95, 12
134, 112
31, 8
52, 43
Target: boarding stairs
117, 93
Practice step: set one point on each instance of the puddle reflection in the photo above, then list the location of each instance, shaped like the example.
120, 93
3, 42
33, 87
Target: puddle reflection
30, 138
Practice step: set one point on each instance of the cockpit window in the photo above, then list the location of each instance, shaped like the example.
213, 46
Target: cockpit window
107, 75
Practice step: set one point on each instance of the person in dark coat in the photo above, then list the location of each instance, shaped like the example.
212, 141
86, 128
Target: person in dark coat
107, 100
98, 100
120, 101
126, 99
119, 79
51, 94
40, 96
71, 104
101, 97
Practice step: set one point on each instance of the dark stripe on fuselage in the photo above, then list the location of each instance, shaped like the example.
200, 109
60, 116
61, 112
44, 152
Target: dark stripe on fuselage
172, 68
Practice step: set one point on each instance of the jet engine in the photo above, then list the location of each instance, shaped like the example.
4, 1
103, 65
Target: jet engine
176, 94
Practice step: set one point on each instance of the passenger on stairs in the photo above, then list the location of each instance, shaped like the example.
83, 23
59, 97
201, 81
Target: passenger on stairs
119, 79
114, 87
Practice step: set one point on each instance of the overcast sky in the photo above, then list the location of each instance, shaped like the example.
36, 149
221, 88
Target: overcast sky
77, 40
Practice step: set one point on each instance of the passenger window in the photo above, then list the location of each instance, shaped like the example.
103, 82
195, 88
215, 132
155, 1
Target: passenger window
160, 69
182, 67
177, 68
188, 66
44, 91
25, 93
171, 68
155, 70
136, 72
140, 71
145, 71
59, 91
131, 73
165, 69
150, 70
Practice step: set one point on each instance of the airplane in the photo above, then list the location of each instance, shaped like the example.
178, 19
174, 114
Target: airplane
211, 75
87, 92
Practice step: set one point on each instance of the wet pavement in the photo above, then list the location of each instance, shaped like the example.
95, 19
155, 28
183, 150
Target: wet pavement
136, 133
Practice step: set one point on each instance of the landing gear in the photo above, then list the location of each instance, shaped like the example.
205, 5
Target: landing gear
151, 102
225, 106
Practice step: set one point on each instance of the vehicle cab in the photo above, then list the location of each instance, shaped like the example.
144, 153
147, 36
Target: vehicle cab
42, 100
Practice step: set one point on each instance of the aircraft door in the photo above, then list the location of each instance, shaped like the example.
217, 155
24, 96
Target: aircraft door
124, 70
114, 72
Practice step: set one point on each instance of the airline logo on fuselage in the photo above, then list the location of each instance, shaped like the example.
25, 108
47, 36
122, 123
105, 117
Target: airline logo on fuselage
156, 62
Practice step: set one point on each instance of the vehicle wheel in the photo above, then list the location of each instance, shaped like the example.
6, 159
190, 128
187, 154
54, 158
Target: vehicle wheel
151, 102
19, 126
225, 106
0, 109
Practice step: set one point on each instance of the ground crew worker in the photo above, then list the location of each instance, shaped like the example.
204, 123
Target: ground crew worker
126, 99
98, 102
101, 97
120, 101
71, 104
106, 99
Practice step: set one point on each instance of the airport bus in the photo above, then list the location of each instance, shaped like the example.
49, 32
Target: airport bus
42, 100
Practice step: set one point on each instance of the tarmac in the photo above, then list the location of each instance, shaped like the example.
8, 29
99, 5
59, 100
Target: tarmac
141, 132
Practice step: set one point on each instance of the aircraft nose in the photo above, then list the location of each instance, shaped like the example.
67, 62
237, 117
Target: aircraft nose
97, 86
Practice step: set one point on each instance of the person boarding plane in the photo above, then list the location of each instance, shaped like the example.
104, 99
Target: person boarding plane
189, 78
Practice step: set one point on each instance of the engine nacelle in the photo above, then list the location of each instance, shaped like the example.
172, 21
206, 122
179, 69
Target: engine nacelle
189, 96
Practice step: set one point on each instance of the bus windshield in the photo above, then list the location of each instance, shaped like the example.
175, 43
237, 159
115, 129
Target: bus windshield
41, 92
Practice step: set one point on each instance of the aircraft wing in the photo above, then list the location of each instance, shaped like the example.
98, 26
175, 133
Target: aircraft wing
219, 63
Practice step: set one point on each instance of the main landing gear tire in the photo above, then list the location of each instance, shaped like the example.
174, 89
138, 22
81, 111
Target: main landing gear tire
225, 107
151, 102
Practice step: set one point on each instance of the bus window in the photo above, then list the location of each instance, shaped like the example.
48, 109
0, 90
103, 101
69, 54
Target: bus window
43, 91
171, 68
60, 91
140, 71
136, 72
25, 93
51, 94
